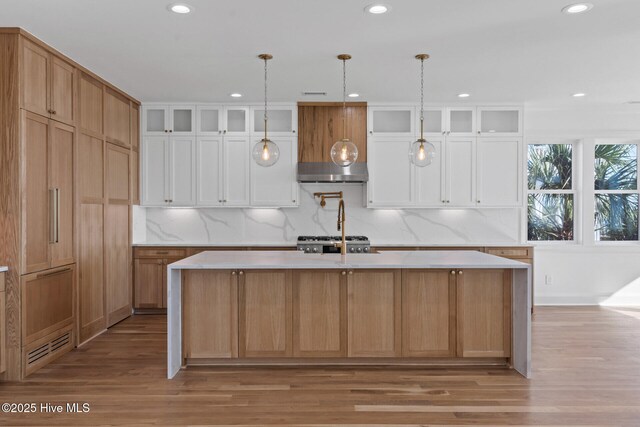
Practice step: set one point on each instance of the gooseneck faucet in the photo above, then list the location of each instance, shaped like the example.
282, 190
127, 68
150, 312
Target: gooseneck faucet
342, 216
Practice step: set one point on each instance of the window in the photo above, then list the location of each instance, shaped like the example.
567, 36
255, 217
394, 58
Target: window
616, 192
551, 198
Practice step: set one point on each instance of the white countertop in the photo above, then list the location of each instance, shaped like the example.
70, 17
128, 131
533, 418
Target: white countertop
3, 268
231, 260
293, 244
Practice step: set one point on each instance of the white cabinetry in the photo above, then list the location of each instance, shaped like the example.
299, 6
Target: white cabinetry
391, 121
499, 172
236, 155
283, 120
500, 121
460, 167
276, 185
430, 179
172, 119
391, 174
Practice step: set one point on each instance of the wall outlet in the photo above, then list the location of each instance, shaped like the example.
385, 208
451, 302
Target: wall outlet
548, 280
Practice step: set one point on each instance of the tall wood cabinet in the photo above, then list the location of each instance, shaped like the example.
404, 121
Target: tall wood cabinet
66, 243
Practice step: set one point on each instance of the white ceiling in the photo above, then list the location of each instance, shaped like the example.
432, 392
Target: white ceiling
497, 50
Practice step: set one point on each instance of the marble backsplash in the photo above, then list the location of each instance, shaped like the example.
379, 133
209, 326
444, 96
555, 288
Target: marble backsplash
282, 226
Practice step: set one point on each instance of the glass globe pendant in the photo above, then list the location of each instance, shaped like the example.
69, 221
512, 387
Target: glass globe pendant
344, 152
422, 152
265, 153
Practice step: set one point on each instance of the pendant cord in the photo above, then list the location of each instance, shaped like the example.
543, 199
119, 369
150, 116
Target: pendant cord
421, 99
344, 99
265, 102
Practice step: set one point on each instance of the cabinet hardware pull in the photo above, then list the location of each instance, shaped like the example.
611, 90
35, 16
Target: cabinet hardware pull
53, 112
344, 273
350, 272
294, 200
478, 201
166, 131
459, 271
57, 192
241, 273
170, 130
51, 273
233, 273
162, 252
52, 219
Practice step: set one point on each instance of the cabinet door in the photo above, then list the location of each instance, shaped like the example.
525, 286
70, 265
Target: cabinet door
155, 120
391, 174
430, 179
209, 120
236, 170
460, 172
90, 104
155, 170
500, 121
135, 126
210, 324
62, 94
283, 120
92, 316
35, 75
265, 313
90, 166
428, 313
236, 121
37, 197
183, 119
135, 177
209, 171
182, 171
118, 171
319, 313
484, 313
392, 121
117, 118
374, 321
62, 139
499, 181
461, 121
118, 263
276, 185
148, 280
435, 121
3, 330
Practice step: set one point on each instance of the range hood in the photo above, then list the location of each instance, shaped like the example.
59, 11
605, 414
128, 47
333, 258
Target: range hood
330, 172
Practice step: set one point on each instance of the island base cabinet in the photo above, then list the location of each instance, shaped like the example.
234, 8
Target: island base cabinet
374, 306
429, 313
484, 313
319, 313
210, 314
265, 326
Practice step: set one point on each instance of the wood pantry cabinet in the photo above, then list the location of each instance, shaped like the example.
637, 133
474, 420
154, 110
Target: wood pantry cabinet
345, 315
65, 135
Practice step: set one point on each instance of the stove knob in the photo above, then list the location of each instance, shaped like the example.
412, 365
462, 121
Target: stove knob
366, 249
352, 249
315, 249
307, 250
359, 249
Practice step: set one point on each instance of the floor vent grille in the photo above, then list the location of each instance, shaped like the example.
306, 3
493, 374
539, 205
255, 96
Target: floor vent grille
36, 354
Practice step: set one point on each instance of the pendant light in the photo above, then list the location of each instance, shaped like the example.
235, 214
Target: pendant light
344, 152
265, 153
422, 152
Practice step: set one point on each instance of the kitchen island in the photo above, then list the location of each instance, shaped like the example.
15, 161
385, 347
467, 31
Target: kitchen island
395, 307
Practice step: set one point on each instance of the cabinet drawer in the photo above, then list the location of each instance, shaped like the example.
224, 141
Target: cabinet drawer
511, 252
160, 253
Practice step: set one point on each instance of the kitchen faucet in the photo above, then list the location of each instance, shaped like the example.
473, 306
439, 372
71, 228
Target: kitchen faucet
342, 216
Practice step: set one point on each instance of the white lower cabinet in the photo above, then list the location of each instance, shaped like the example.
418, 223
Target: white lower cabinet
168, 171
460, 174
391, 174
276, 186
499, 172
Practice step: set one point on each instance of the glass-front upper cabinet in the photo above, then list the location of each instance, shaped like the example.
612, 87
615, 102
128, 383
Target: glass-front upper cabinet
155, 119
500, 121
236, 120
283, 120
434, 121
209, 120
461, 121
391, 121
183, 119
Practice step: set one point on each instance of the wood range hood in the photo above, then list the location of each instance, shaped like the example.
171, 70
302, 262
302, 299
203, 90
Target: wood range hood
319, 127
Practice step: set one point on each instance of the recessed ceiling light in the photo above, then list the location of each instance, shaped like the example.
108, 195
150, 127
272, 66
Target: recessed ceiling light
354, 95
377, 9
236, 95
463, 95
579, 95
572, 9
180, 8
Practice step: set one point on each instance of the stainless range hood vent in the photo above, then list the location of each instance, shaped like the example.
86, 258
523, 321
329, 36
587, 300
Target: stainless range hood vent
329, 172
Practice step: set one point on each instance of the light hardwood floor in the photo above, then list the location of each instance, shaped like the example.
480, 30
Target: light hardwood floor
586, 364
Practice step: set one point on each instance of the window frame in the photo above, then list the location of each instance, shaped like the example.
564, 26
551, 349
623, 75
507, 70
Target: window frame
576, 187
593, 192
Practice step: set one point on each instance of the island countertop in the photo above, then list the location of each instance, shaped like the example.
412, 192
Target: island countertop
233, 260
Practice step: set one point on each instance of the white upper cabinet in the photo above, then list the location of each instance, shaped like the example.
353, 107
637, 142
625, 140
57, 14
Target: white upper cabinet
237, 174
209, 174
500, 121
460, 121
236, 120
499, 172
155, 170
276, 185
283, 120
430, 179
460, 167
434, 121
183, 119
182, 171
209, 120
391, 174
155, 120
391, 121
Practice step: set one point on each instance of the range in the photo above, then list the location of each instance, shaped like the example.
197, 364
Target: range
331, 244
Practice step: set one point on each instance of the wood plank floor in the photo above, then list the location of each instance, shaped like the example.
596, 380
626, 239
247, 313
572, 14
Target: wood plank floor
586, 364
